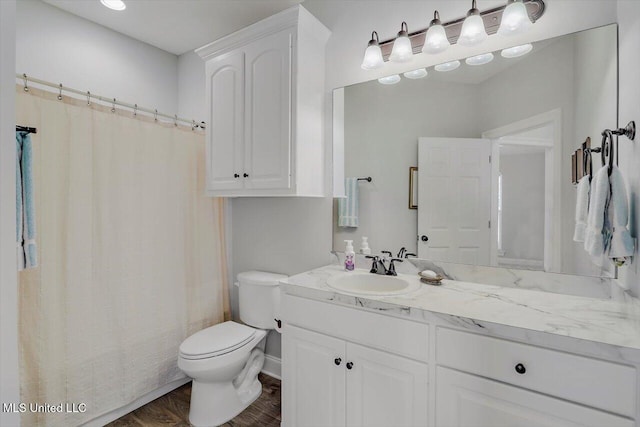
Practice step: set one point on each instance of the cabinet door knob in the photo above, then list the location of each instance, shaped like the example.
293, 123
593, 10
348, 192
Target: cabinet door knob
424, 238
337, 361
235, 175
520, 368
246, 175
349, 365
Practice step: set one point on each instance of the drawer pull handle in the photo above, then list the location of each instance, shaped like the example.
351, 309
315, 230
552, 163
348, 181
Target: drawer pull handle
520, 369
337, 361
349, 365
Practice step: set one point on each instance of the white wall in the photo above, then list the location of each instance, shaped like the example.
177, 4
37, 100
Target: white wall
191, 80
523, 205
63, 48
629, 21
382, 127
9, 385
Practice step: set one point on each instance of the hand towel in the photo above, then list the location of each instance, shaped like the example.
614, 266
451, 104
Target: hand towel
348, 206
25, 204
594, 238
621, 246
582, 208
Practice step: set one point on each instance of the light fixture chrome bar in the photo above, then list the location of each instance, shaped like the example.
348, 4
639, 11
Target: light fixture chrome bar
111, 101
491, 18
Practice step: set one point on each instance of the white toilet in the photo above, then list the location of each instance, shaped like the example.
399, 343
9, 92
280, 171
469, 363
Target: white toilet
224, 360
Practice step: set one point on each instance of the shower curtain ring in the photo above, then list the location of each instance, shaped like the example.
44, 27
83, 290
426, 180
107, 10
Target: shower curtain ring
193, 125
26, 85
60, 93
135, 110
88, 98
113, 106
175, 120
155, 115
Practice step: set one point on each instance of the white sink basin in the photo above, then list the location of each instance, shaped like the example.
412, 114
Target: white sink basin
371, 284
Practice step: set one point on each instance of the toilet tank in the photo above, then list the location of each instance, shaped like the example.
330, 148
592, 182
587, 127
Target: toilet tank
259, 298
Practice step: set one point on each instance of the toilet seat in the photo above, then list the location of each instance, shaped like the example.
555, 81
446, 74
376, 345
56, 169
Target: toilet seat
216, 340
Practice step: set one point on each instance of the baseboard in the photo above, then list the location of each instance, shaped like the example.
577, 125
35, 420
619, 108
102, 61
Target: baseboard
272, 366
117, 413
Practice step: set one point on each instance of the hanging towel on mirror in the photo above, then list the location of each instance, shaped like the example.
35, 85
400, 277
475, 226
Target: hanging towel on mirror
348, 206
582, 208
595, 230
27, 251
621, 246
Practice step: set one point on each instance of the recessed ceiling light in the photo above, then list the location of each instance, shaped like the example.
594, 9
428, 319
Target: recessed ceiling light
516, 51
447, 66
416, 74
485, 58
114, 4
389, 80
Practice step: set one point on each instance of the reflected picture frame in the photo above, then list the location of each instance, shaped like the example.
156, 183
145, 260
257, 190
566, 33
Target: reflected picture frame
413, 187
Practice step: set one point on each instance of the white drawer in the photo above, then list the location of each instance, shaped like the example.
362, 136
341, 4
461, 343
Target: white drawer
398, 336
596, 383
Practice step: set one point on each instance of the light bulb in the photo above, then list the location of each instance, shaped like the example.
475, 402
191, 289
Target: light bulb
515, 19
114, 4
473, 31
402, 50
482, 59
389, 80
373, 54
447, 66
436, 39
516, 51
416, 74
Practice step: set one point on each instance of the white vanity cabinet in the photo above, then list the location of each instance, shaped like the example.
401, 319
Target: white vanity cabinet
265, 107
330, 381
358, 367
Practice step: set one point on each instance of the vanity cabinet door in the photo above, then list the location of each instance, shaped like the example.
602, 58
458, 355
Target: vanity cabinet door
464, 400
313, 379
384, 389
225, 99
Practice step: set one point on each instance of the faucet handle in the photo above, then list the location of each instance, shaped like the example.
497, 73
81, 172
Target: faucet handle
374, 265
391, 271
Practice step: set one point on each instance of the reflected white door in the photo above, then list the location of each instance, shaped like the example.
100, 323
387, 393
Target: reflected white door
454, 200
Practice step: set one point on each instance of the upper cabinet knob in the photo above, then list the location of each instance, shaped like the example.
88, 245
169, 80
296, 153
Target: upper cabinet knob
235, 175
520, 368
246, 175
337, 361
349, 365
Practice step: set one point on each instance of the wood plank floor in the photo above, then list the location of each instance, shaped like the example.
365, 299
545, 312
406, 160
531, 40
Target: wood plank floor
172, 409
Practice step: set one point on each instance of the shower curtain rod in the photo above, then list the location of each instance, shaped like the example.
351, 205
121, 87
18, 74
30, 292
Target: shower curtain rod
113, 101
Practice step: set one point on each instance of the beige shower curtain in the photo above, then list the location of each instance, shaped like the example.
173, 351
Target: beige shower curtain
131, 253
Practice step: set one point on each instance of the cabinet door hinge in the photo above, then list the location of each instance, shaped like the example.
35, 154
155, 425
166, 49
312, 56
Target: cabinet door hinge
489, 223
489, 158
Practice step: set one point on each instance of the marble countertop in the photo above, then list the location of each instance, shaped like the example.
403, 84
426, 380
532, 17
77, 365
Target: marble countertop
601, 321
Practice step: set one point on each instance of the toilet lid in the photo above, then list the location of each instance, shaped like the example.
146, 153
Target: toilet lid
216, 340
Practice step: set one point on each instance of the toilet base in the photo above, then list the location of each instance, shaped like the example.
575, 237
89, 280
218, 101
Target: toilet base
213, 404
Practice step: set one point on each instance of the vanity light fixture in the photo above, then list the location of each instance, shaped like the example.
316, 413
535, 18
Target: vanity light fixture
473, 31
467, 30
515, 19
416, 74
373, 54
447, 66
402, 50
482, 59
389, 80
114, 4
516, 51
436, 39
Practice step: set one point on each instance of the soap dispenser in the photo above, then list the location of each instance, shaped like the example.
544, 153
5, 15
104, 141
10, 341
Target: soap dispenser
364, 246
349, 256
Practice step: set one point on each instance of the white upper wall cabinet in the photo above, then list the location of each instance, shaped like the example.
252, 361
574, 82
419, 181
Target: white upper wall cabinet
265, 106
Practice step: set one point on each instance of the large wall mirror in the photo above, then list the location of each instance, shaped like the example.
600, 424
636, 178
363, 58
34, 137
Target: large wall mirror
493, 145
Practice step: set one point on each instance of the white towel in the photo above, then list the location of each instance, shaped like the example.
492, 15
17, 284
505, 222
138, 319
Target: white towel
348, 207
582, 208
594, 238
621, 246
